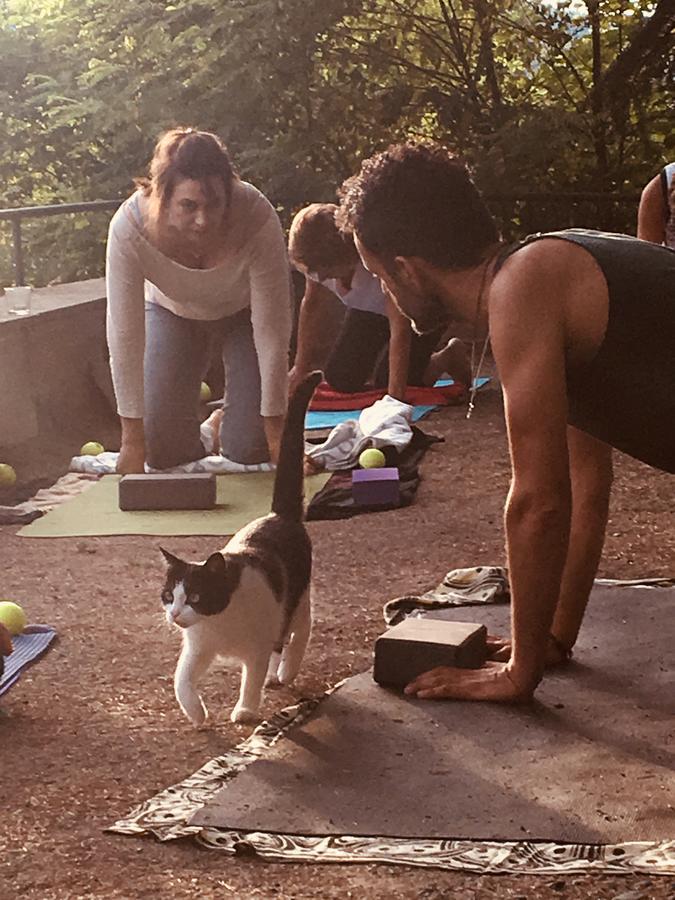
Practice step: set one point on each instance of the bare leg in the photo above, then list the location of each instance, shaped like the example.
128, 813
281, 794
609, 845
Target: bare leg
192, 664
454, 360
213, 423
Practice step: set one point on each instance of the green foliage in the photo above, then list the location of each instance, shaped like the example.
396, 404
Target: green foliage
532, 94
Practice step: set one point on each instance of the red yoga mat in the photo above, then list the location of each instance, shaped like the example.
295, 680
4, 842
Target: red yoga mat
325, 398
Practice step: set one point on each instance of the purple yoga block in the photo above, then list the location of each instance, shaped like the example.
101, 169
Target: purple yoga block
375, 487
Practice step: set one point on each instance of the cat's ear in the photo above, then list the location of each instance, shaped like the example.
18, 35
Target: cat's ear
170, 559
215, 564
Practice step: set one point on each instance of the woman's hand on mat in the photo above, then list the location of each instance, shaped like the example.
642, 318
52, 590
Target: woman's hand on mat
131, 460
274, 425
5, 641
312, 466
295, 376
493, 681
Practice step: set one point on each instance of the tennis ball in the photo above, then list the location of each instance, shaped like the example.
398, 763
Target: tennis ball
372, 459
12, 617
204, 392
7, 475
91, 448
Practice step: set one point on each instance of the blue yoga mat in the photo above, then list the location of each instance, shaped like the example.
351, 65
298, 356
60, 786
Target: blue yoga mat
28, 647
330, 418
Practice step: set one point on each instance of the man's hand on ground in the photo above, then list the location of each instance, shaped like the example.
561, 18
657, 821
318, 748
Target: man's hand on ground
5, 641
493, 681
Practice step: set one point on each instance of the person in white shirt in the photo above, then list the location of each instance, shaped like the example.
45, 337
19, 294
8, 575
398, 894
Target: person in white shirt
656, 212
376, 346
196, 261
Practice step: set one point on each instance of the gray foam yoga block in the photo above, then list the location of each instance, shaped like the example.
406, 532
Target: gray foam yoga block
417, 645
183, 491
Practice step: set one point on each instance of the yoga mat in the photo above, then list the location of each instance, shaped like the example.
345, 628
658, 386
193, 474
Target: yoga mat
28, 648
240, 499
329, 418
316, 419
590, 762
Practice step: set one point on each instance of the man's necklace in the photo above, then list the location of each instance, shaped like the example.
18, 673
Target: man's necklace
476, 370
475, 374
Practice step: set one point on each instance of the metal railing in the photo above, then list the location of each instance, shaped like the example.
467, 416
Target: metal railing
517, 215
16, 216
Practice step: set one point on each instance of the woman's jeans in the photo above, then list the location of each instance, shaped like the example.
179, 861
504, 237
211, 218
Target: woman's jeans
177, 355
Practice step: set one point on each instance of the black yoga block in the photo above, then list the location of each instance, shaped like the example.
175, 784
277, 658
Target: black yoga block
183, 491
417, 645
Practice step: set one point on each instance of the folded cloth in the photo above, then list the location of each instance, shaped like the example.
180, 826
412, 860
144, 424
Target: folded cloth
106, 464
28, 647
325, 398
460, 587
335, 501
384, 424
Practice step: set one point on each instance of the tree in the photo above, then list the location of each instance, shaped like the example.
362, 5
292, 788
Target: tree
531, 93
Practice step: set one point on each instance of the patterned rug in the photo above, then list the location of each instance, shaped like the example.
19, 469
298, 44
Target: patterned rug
169, 816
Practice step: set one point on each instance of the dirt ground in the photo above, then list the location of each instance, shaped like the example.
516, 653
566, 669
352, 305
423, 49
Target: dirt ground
94, 728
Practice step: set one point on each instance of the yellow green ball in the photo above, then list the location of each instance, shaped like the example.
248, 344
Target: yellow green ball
91, 448
204, 392
7, 475
12, 617
372, 458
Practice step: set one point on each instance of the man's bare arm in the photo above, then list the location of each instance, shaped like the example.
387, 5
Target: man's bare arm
591, 473
652, 213
528, 341
528, 344
314, 312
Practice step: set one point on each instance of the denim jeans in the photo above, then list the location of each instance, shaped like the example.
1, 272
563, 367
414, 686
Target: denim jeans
177, 356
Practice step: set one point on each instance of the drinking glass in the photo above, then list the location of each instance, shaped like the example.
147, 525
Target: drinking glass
18, 299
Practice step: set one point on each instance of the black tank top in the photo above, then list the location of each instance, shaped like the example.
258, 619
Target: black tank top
626, 395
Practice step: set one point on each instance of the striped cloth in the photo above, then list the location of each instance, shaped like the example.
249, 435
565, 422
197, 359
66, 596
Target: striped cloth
28, 647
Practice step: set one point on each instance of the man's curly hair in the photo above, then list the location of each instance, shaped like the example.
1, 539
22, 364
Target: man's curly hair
416, 199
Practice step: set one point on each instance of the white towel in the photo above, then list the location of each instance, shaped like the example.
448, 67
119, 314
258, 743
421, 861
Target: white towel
387, 423
106, 463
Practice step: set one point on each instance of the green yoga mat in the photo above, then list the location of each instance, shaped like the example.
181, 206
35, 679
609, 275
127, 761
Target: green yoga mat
94, 512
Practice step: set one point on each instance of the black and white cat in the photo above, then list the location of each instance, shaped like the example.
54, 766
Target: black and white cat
250, 601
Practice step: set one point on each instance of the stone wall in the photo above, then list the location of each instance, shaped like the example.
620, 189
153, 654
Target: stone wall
55, 383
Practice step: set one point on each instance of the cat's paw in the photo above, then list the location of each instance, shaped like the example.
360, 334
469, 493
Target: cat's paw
199, 717
243, 716
287, 674
194, 709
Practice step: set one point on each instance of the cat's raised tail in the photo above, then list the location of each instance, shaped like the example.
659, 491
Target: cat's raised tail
288, 496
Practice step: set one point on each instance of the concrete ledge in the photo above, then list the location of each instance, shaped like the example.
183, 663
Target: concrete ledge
54, 368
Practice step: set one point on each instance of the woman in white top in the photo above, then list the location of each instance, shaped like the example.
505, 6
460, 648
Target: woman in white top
376, 346
196, 259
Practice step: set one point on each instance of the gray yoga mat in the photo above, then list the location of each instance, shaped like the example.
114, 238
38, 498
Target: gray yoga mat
591, 761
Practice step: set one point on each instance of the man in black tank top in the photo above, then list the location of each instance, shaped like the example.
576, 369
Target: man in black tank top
582, 328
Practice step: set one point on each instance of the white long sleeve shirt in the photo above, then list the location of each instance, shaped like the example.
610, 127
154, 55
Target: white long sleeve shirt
254, 273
